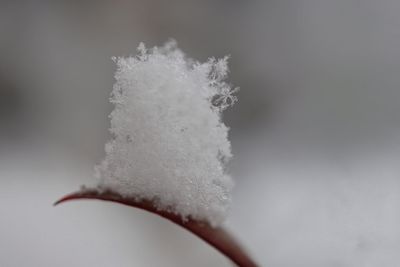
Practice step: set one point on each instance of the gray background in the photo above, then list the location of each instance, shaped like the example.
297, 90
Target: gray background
315, 133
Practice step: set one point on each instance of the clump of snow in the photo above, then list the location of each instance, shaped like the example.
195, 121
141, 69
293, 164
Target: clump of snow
169, 144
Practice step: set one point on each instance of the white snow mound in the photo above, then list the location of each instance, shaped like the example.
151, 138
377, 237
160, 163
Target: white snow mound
169, 144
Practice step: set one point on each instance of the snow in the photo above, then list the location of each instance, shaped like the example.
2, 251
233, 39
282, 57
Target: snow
169, 143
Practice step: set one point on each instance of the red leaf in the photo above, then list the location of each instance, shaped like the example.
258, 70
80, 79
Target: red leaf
216, 237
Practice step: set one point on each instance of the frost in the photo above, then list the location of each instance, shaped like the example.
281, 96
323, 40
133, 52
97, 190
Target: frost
169, 144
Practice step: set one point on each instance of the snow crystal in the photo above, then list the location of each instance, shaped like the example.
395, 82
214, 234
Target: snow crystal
169, 144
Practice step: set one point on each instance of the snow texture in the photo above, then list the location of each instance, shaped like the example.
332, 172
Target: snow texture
168, 142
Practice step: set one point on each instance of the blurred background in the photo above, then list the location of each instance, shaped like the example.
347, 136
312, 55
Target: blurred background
315, 133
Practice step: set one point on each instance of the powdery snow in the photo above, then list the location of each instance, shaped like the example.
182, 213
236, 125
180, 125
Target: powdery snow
169, 144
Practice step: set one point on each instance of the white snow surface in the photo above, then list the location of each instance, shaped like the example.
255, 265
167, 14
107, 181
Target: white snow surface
169, 143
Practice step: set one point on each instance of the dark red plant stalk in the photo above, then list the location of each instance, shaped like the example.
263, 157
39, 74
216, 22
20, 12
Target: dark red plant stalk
216, 237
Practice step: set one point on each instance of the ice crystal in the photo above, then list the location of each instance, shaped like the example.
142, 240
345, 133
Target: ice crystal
169, 144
